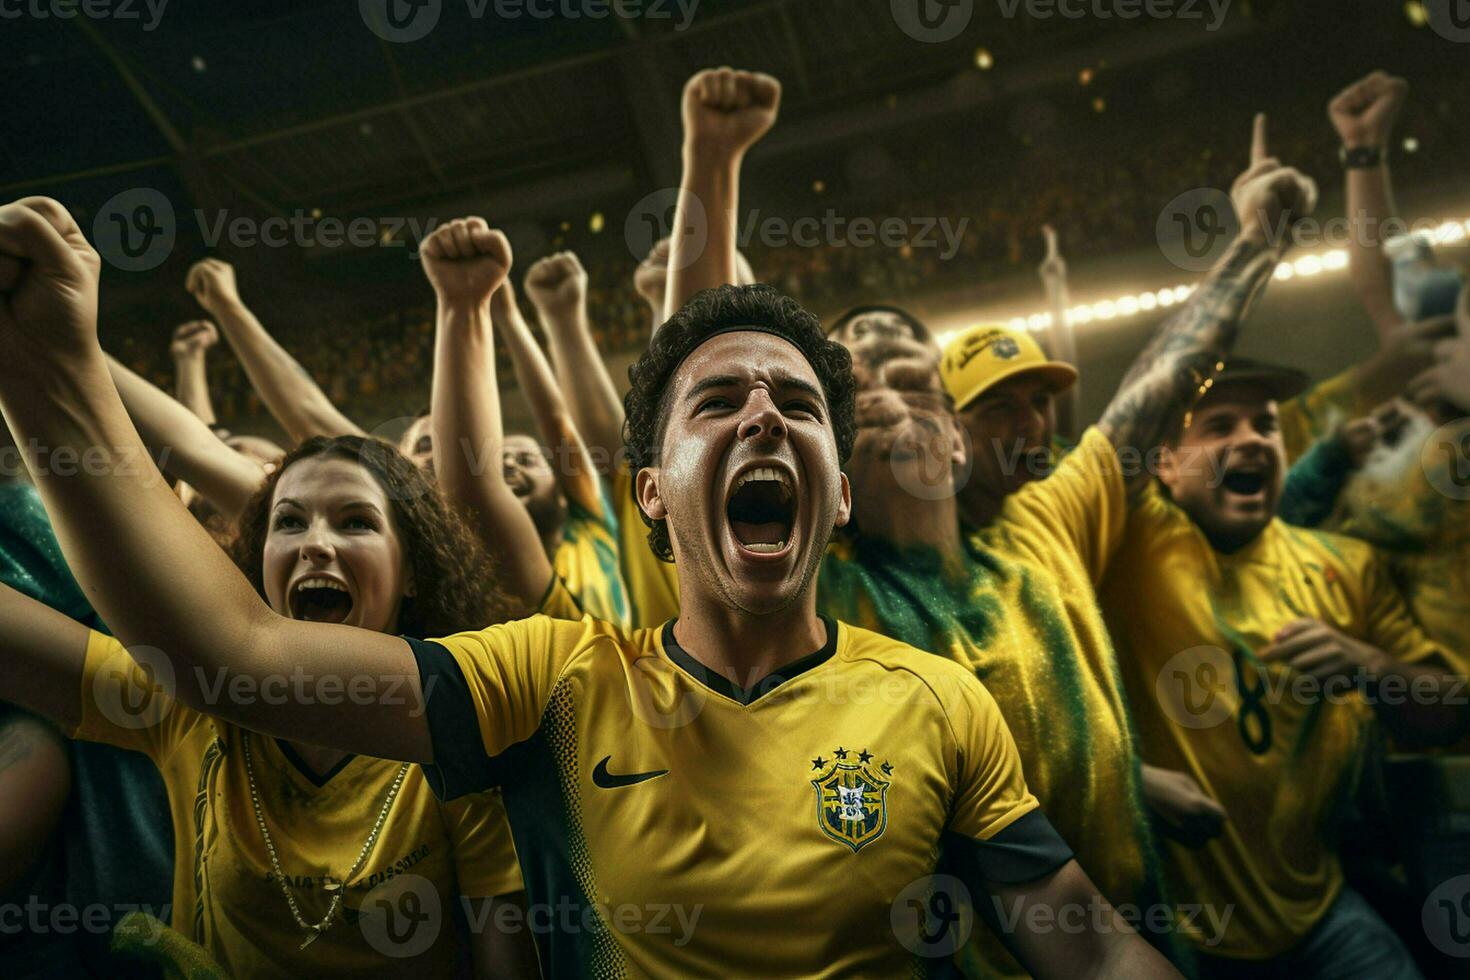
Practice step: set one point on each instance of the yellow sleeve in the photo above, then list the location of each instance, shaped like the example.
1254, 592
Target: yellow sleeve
128, 701
991, 791
1392, 628
485, 691
1080, 509
1318, 412
485, 864
997, 832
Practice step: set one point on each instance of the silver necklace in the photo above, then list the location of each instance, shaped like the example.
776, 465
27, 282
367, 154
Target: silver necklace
313, 931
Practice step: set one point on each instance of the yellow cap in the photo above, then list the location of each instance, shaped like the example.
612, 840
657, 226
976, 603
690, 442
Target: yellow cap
983, 356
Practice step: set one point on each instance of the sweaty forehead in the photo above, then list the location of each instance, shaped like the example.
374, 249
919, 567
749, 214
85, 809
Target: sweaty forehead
322, 481
519, 442
748, 356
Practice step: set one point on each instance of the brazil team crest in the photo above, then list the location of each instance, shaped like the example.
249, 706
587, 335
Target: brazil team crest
852, 797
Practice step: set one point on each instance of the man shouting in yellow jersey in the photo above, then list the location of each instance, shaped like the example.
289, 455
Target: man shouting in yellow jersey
1256, 656
751, 790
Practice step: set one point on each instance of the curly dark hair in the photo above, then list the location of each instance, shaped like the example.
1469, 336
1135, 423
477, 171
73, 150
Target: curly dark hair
708, 312
457, 584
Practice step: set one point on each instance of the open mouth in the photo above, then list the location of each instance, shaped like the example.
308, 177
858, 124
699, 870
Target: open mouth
1244, 482
320, 600
519, 485
762, 510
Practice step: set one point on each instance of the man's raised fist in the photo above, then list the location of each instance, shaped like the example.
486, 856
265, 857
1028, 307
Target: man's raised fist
728, 110
557, 284
466, 260
212, 283
1269, 198
193, 339
1363, 113
48, 280
652, 275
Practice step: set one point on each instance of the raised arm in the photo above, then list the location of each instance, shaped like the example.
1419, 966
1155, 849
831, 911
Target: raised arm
155, 575
575, 473
293, 398
1363, 115
1059, 340
191, 343
1165, 379
185, 446
725, 113
466, 261
557, 286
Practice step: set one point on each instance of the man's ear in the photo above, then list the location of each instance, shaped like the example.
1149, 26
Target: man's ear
648, 496
959, 453
844, 506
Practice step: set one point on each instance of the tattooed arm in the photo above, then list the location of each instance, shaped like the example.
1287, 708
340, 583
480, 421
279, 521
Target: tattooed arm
295, 400
1164, 381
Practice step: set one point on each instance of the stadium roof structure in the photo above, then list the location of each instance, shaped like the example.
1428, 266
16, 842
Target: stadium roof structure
302, 105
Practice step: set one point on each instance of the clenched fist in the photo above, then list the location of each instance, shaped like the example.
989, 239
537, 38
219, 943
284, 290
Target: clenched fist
1363, 113
651, 278
193, 339
212, 283
727, 111
557, 285
466, 260
1269, 198
48, 281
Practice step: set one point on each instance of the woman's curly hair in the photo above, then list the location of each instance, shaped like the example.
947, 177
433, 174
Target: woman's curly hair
710, 311
457, 585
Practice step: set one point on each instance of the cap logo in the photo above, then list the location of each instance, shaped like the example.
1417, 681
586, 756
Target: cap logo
1005, 348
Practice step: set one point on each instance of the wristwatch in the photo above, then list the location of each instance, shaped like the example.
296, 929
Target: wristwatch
1361, 157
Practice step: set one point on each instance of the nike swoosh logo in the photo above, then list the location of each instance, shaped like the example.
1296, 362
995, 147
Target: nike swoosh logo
611, 780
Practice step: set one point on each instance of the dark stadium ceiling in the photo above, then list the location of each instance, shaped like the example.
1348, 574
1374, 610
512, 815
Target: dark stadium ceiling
299, 105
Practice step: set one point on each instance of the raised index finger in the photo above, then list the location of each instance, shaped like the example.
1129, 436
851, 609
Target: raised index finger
1259, 150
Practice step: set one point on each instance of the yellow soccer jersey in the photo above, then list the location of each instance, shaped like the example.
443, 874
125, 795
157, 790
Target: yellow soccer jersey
398, 914
587, 561
653, 585
1411, 501
1021, 613
1280, 755
674, 825
1319, 411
